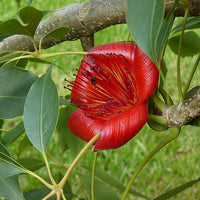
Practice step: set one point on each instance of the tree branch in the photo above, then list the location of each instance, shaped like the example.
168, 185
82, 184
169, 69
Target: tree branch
87, 42
83, 20
185, 112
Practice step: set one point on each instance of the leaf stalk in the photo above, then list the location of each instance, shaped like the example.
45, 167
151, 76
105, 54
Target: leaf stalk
93, 176
180, 93
64, 180
191, 75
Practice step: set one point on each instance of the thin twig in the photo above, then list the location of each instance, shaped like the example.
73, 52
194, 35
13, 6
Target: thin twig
180, 93
64, 180
93, 176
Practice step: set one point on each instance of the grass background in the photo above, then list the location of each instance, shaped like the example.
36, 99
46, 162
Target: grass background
172, 166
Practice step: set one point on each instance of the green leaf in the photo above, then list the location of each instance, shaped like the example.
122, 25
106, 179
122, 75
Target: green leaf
164, 32
177, 190
7, 56
21, 63
13, 134
30, 18
101, 190
66, 138
32, 164
144, 21
24, 143
191, 23
3, 36
190, 45
156, 126
8, 166
41, 111
38, 60
37, 194
1, 125
59, 33
10, 188
3, 149
107, 179
192, 92
15, 83
41, 193
11, 27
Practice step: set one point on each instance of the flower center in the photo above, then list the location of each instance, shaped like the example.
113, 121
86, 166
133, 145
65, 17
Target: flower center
105, 86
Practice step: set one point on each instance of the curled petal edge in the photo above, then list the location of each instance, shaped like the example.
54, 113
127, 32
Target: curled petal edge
84, 127
120, 129
147, 74
113, 133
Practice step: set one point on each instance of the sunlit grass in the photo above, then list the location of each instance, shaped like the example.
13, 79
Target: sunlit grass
174, 165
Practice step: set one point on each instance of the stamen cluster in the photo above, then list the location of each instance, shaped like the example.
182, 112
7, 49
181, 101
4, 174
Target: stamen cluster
112, 87
111, 91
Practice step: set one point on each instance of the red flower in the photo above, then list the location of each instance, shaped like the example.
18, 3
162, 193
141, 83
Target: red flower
111, 90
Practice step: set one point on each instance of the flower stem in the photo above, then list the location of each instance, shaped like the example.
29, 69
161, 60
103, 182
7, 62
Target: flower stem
159, 119
58, 195
34, 44
64, 180
93, 174
180, 94
167, 99
63, 196
191, 75
40, 46
52, 193
174, 132
158, 102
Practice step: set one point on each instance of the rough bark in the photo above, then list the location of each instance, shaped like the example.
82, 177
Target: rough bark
185, 112
83, 20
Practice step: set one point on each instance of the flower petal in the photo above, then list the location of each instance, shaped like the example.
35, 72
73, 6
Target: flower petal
120, 129
113, 133
84, 127
146, 72
126, 49
111, 90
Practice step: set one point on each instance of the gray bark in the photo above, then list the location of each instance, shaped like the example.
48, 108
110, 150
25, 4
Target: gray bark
185, 112
83, 20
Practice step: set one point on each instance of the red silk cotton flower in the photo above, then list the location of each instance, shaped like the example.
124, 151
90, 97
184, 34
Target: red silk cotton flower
111, 90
